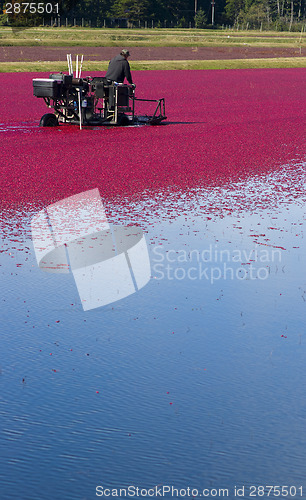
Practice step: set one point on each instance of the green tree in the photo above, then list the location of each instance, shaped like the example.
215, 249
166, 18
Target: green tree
175, 9
255, 15
233, 8
200, 19
132, 10
3, 15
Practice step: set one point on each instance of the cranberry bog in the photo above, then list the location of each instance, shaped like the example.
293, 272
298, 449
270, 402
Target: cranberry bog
197, 379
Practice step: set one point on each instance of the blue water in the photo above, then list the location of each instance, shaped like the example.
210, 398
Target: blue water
186, 383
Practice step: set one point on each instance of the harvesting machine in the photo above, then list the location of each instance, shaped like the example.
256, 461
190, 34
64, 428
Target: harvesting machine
92, 101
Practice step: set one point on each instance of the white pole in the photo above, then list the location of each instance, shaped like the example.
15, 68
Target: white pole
81, 64
212, 12
77, 67
300, 41
71, 66
68, 64
80, 109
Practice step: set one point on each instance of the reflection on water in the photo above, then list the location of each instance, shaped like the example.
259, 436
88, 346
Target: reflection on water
108, 263
26, 128
192, 381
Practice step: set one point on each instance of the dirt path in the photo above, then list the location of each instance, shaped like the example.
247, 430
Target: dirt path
15, 54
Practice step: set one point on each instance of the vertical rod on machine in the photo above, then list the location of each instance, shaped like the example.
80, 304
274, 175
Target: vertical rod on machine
80, 108
70, 65
116, 104
81, 64
77, 67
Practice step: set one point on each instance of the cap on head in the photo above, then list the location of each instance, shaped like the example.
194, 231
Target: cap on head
125, 53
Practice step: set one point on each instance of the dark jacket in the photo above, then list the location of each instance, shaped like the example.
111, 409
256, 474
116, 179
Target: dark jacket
119, 69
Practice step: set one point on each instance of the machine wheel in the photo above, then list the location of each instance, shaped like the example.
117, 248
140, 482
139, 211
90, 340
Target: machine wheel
48, 120
123, 120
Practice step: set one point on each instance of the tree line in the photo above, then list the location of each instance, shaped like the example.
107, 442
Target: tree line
248, 14
267, 14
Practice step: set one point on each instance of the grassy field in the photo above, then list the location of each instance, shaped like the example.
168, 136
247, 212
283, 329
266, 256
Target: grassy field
93, 37
49, 66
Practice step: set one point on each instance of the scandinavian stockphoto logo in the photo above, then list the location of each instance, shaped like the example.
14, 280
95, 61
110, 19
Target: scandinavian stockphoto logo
212, 264
108, 262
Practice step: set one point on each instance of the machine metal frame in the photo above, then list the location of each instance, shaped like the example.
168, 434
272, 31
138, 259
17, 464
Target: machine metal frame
92, 102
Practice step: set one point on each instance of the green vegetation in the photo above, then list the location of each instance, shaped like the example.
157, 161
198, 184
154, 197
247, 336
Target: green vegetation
49, 66
94, 37
267, 14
